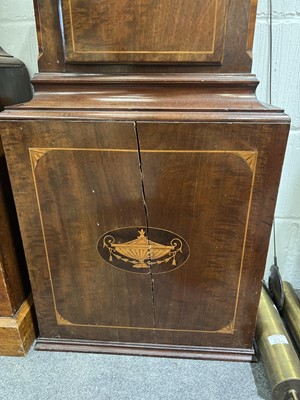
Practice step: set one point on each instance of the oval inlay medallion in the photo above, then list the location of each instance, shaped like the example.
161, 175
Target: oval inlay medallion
143, 250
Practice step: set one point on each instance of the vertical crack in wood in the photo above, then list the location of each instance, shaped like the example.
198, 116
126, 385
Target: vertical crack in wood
147, 221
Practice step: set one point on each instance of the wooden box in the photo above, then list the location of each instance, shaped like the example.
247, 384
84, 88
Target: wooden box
145, 204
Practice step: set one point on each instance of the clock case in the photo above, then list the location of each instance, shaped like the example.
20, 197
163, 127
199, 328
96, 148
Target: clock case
164, 147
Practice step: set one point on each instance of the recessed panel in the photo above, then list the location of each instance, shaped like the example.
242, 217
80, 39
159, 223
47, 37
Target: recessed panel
140, 274
206, 196
140, 31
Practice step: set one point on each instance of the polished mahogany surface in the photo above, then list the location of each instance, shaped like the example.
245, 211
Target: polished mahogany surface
145, 175
16, 309
144, 31
145, 36
147, 212
14, 284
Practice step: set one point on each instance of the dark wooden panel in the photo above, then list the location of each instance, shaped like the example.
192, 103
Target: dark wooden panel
221, 201
198, 183
82, 195
5, 305
81, 180
204, 197
144, 30
14, 283
234, 37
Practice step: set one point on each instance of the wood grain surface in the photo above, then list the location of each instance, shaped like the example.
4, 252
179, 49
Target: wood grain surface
77, 177
197, 353
252, 26
17, 333
144, 31
14, 283
146, 92
76, 192
143, 36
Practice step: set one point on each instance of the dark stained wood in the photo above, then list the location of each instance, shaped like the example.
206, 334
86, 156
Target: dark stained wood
204, 197
144, 31
14, 284
213, 353
148, 26
164, 115
146, 92
78, 173
94, 191
229, 80
38, 27
212, 199
101, 212
145, 201
251, 26
17, 330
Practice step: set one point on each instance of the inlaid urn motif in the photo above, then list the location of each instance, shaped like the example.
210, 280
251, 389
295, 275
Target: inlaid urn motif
151, 249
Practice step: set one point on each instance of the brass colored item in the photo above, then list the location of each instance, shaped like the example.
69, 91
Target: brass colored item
277, 351
291, 311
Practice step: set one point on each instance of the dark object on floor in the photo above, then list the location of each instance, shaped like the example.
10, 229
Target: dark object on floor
276, 287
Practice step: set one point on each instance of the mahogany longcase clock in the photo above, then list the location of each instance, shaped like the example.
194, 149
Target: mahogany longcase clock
145, 175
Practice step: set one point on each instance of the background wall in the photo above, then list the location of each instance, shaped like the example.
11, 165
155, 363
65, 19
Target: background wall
17, 37
17, 31
285, 94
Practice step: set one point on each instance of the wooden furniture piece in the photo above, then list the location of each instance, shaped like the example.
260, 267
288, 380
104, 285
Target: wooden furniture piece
16, 310
145, 200
145, 35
